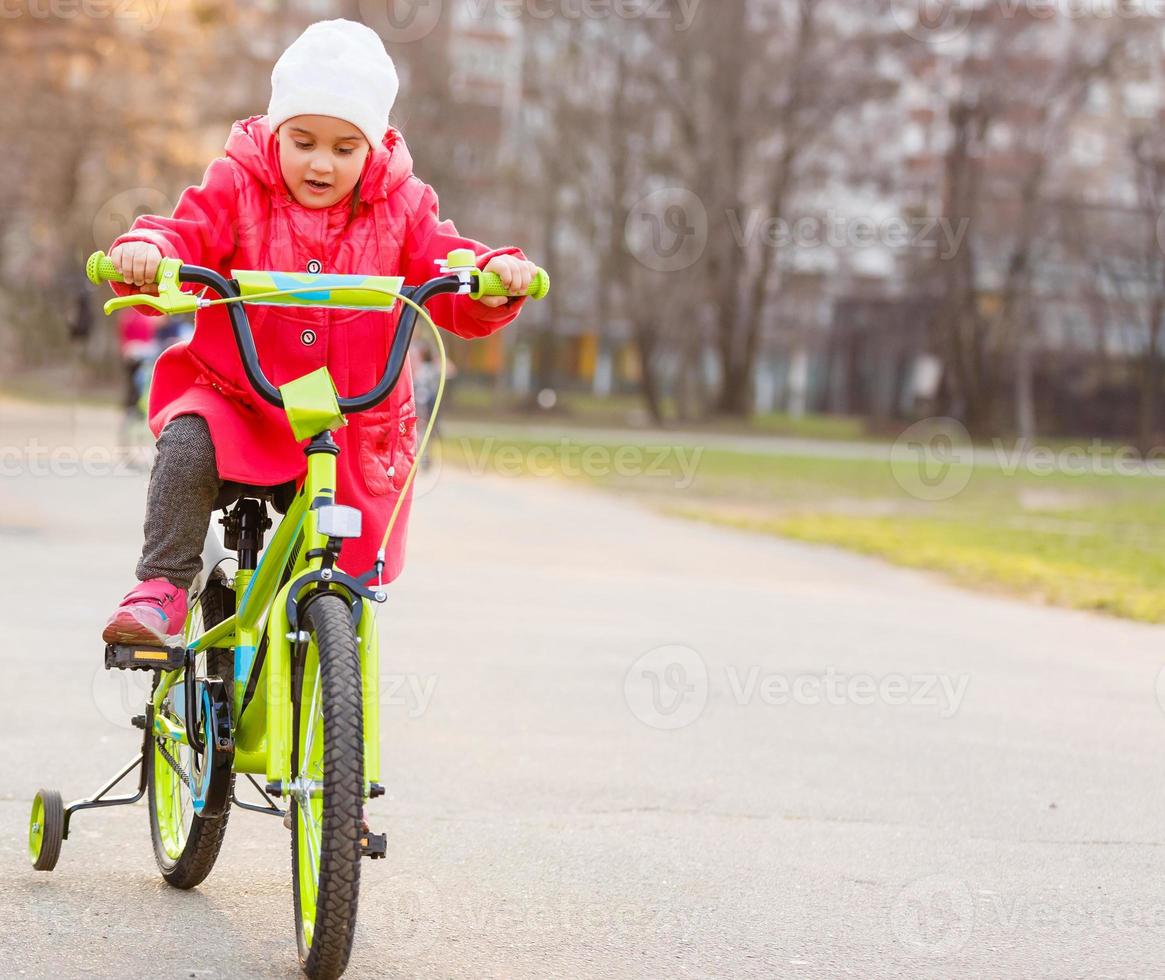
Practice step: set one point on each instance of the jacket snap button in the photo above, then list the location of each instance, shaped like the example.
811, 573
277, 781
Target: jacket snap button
391, 471
308, 337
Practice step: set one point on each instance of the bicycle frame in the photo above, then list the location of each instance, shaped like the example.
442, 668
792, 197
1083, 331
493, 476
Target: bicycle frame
296, 558
262, 725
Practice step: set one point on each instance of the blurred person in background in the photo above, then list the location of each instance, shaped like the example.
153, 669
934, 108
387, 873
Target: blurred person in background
174, 330
426, 381
138, 343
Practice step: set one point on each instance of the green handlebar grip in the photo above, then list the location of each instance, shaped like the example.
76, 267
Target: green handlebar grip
100, 269
490, 284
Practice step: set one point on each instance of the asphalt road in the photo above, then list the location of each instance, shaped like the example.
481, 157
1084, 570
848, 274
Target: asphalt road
616, 745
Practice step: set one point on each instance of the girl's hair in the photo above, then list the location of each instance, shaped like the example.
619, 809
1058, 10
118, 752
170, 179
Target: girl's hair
354, 205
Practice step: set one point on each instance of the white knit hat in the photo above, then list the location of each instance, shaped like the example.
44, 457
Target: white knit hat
336, 68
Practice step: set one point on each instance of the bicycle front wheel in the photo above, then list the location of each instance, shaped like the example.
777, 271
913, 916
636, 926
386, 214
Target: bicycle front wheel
327, 791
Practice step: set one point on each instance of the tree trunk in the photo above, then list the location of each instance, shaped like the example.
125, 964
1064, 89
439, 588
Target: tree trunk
731, 100
1025, 404
546, 350
645, 343
1151, 379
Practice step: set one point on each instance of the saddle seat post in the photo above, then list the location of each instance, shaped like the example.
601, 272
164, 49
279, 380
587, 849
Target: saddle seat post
245, 526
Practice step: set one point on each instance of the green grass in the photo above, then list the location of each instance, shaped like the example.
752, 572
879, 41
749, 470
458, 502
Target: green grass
581, 409
1088, 541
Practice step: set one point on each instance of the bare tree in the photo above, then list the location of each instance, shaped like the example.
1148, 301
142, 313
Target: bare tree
1015, 94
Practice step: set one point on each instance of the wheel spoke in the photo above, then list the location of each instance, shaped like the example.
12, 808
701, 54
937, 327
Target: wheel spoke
186, 796
311, 732
175, 801
179, 773
310, 827
312, 834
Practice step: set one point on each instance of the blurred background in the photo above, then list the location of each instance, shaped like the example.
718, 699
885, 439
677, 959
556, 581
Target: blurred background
752, 208
813, 219
886, 277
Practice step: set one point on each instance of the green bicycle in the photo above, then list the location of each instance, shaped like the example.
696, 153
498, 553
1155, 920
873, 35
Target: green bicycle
277, 672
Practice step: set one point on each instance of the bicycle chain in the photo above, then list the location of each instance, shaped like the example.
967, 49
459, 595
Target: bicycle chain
177, 767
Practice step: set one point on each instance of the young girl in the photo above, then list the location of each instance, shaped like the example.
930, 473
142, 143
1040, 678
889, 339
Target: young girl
321, 184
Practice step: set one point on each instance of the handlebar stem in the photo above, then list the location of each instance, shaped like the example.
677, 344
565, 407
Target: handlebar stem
245, 339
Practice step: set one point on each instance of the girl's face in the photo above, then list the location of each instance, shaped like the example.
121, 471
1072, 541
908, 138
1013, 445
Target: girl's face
321, 158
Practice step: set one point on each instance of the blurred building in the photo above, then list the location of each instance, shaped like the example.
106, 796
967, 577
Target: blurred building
1096, 274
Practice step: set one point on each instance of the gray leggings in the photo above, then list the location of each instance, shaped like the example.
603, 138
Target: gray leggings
184, 485
184, 490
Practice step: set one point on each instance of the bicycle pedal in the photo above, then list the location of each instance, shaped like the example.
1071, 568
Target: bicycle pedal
374, 845
121, 656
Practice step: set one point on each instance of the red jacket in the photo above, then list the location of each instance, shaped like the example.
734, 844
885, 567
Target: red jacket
242, 217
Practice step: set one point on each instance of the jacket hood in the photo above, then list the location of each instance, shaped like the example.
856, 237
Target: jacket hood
255, 148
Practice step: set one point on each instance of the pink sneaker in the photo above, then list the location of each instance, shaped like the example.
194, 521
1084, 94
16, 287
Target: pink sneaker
152, 611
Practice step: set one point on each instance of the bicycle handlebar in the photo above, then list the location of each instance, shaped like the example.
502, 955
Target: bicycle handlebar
490, 284
100, 268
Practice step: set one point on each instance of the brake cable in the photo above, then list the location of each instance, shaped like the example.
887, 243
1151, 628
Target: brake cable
424, 444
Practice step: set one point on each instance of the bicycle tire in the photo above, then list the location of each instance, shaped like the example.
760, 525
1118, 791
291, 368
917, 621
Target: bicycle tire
188, 865
325, 919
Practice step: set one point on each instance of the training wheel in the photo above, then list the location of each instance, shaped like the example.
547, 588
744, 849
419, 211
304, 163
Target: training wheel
46, 829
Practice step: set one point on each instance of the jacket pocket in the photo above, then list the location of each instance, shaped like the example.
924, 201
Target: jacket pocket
388, 448
244, 399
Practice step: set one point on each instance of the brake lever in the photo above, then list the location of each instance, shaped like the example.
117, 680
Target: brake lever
170, 305
171, 298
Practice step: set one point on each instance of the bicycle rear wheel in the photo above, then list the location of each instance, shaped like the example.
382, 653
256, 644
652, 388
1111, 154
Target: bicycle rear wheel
327, 791
187, 844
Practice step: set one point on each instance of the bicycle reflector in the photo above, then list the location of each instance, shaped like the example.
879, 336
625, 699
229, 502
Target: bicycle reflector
338, 521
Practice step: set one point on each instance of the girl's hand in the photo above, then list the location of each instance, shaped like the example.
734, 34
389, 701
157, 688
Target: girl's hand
138, 264
514, 272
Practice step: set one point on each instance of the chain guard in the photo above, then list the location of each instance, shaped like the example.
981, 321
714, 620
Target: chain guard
211, 792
